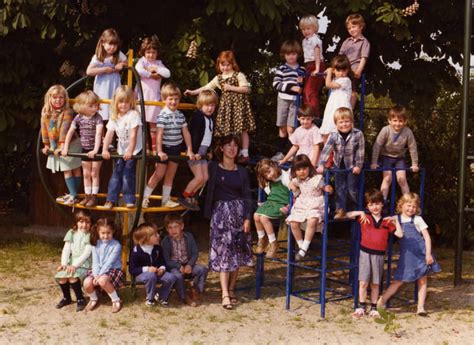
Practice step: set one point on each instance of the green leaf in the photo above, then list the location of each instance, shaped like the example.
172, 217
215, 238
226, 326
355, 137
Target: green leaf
380, 321
203, 78
383, 313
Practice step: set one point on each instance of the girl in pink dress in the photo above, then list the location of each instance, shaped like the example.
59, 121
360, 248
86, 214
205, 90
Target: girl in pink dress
309, 204
305, 138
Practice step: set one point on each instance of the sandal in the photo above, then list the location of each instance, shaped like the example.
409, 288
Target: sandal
93, 304
232, 297
422, 313
358, 313
227, 306
116, 306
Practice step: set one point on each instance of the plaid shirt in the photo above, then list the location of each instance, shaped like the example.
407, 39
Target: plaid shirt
351, 149
179, 251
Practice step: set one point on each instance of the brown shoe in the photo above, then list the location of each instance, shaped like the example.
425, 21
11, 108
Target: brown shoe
92, 201
190, 301
85, 200
116, 306
340, 214
272, 249
108, 205
196, 296
261, 245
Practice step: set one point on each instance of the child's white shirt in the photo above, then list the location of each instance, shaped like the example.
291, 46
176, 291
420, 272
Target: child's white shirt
309, 45
123, 126
419, 222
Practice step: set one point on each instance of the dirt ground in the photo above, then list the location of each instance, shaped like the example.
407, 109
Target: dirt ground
28, 295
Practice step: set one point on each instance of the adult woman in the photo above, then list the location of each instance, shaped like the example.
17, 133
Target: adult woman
228, 206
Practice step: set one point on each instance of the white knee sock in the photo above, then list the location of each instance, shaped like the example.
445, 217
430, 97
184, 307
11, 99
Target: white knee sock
88, 190
271, 238
305, 245
166, 194
147, 192
300, 243
95, 189
244, 152
261, 233
93, 296
113, 296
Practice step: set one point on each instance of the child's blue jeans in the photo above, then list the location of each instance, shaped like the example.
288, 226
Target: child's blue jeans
123, 180
199, 274
150, 279
347, 190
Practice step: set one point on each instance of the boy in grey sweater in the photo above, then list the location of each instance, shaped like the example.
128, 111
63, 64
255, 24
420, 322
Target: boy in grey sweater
390, 150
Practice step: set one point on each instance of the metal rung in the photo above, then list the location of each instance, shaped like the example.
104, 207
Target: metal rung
470, 157
469, 209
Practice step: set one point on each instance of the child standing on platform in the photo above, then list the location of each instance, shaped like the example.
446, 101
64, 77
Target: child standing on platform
356, 48
288, 82
275, 183
147, 265
309, 204
90, 125
391, 145
234, 115
181, 253
340, 95
106, 65
348, 145
75, 260
314, 62
373, 244
172, 131
305, 138
56, 118
151, 70
106, 273
126, 122
201, 129
416, 259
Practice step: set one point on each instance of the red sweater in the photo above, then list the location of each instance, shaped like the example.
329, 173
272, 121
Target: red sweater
375, 235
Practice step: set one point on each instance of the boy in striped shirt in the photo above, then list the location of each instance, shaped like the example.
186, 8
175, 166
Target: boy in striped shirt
172, 133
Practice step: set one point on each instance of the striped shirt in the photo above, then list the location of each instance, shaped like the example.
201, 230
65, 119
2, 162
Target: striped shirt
172, 123
285, 78
351, 150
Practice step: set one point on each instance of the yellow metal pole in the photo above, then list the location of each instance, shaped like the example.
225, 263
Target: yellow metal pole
130, 63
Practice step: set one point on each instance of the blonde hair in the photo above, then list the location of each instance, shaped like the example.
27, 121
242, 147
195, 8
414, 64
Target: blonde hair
83, 99
55, 89
355, 19
343, 113
143, 233
397, 111
122, 93
109, 36
263, 167
170, 89
207, 97
409, 197
309, 21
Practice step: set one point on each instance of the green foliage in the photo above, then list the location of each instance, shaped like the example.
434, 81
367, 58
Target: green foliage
388, 319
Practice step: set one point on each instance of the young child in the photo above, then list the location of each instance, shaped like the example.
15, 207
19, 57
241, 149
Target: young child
356, 48
309, 204
275, 183
56, 118
340, 95
348, 145
125, 121
106, 273
181, 253
288, 82
90, 125
391, 145
305, 138
314, 62
106, 65
147, 265
234, 115
416, 259
75, 260
151, 70
201, 129
375, 231
172, 131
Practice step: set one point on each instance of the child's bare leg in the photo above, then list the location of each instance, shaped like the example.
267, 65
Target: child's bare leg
422, 291
363, 291
402, 181
89, 285
76, 172
95, 175
295, 229
290, 129
158, 174
205, 177
267, 225
245, 140
152, 127
386, 183
353, 99
374, 293
391, 290
310, 229
87, 175
171, 169
198, 179
283, 131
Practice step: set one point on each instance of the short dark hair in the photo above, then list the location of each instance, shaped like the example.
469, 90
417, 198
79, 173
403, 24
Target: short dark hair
306, 111
300, 162
105, 222
373, 196
224, 141
173, 218
341, 62
290, 46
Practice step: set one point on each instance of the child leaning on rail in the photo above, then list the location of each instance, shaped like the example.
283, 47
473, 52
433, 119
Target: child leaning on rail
390, 150
90, 125
172, 132
106, 65
75, 260
151, 70
56, 118
126, 122
106, 273
373, 244
201, 129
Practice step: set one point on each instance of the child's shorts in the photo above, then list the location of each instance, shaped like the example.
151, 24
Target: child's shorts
370, 265
286, 112
393, 162
202, 151
117, 277
87, 159
174, 150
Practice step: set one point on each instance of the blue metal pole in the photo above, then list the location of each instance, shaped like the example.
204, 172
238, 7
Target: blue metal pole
322, 276
290, 261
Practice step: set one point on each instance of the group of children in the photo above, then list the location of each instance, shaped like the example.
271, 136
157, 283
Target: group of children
92, 254
343, 150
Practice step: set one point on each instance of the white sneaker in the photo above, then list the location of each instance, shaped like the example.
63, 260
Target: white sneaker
170, 204
70, 200
278, 157
62, 198
145, 203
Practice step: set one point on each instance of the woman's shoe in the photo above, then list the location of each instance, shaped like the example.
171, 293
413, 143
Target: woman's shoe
233, 297
228, 305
